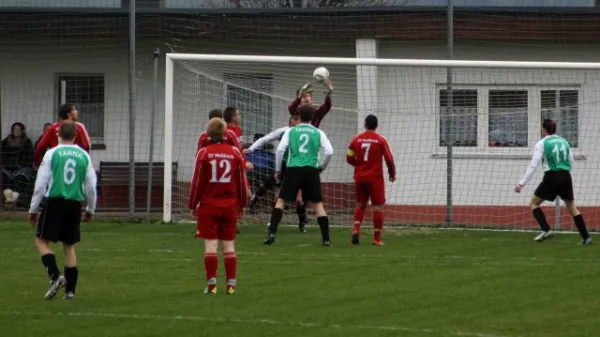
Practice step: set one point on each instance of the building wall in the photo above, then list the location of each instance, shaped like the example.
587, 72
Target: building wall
28, 93
408, 98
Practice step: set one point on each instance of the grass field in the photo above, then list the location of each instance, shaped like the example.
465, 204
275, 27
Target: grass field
147, 280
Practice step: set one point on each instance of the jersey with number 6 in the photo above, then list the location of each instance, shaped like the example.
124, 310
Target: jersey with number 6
219, 177
366, 153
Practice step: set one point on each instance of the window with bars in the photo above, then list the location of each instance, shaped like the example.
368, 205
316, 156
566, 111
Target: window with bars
87, 93
563, 107
459, 119
507, 118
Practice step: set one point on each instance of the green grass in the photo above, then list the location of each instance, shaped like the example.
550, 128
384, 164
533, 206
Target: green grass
147, 280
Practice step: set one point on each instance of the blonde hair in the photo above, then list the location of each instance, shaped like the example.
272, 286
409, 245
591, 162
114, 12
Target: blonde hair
216, 128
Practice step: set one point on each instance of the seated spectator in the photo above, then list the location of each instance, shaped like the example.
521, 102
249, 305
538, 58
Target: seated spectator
17, 162
46, 127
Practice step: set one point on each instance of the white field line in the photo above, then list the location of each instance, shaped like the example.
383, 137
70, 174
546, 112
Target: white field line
241, 321
314, 257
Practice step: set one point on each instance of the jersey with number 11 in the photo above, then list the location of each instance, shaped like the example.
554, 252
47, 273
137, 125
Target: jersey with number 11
69, 166
557, 153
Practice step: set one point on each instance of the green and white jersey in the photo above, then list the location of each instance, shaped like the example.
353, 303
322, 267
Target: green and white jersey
66, 172
554, 153
304, 142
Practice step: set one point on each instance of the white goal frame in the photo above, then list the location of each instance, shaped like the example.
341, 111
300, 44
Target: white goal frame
172, 57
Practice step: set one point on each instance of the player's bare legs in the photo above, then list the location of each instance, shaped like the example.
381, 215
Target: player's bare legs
211, 264
579, 223
71, 272
540, 217
230, 260
57, 281
323, 222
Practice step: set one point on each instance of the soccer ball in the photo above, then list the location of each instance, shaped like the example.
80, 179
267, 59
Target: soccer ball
320, 74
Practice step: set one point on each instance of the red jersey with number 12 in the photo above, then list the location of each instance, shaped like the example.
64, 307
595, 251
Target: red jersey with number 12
219, 177
366, 152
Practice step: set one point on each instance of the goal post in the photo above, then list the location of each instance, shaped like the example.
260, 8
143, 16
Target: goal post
494, 113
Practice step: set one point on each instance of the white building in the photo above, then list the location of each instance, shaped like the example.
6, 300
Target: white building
498, 111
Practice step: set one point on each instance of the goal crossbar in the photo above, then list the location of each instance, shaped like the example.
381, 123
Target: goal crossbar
172, 57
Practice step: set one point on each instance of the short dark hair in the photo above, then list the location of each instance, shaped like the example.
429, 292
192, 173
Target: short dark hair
64, 110
371, 122
306, 112
67, 130
293, 118
215, 113
550, 126
228, 114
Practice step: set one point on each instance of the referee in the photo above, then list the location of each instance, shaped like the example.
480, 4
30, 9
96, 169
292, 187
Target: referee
61, 178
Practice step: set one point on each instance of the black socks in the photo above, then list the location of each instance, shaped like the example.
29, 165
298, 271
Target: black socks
71, 274
49, 262
275, 220
323, 222
538, 214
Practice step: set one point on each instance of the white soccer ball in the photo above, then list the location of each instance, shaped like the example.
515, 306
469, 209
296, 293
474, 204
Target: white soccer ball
320, 74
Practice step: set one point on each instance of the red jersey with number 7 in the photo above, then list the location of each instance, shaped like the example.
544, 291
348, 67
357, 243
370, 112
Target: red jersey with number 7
219, 177
50, 140
366, 153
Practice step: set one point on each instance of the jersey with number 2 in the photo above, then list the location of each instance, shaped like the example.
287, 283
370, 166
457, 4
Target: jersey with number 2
219, 177
304, 146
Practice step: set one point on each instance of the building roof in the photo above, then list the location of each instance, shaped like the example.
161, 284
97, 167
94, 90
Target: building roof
566, 26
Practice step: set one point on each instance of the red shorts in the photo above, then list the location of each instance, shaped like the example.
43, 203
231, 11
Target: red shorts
216, 223
373, 189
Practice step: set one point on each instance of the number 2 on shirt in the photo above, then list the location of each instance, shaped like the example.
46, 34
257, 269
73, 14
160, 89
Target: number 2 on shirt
366, 146
226, 176
303, 143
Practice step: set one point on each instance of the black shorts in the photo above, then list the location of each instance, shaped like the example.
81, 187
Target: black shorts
305, 179
556, 183
60, 221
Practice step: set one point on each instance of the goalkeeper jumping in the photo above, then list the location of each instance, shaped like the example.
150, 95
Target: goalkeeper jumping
304, 96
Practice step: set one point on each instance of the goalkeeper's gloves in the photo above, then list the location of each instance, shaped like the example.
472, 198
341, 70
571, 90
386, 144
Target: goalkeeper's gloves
305, 90
328, 87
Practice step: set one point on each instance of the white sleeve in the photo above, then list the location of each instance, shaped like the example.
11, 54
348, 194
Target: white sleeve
90, 188
283, 145
327, 150
275, 135
571, 158
44, 176
536, 161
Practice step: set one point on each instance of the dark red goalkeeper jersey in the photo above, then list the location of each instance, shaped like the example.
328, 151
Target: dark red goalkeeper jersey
320, 110
204, 140
50, 140
366, 152
219, 177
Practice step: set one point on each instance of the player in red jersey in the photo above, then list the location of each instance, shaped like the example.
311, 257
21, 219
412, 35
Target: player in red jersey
66, 112
304, 96
365, 153
218, 190
230, 137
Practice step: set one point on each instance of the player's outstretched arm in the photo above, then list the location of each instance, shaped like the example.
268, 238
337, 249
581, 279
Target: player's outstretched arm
90, 184
41, 182
281, 148
261, 142
389, 159
536, 161
327, 151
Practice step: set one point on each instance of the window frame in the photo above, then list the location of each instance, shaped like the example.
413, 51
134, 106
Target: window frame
534, 115
249, 76
98, 143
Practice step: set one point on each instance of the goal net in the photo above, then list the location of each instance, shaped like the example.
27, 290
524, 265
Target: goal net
491, 114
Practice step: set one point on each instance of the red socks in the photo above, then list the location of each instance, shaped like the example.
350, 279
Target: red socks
230, 267
359, 214
377, 224
211, 263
